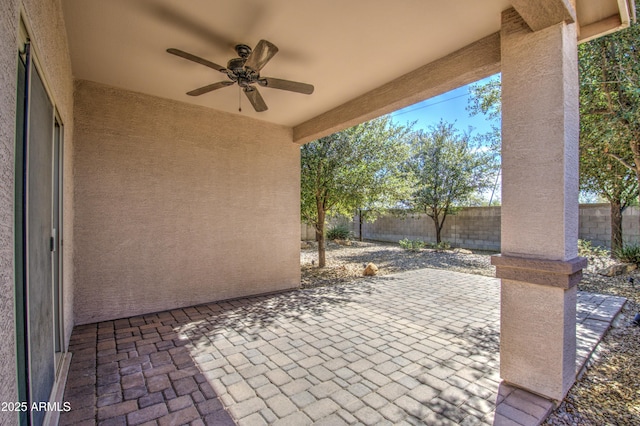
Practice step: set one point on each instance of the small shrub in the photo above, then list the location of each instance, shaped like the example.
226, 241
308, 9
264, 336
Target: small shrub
411, 245
629, 254
441, 246
588, 250
339, 232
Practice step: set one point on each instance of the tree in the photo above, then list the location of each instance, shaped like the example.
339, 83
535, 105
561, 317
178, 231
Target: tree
600, 143
603, 175
610, 112
356, 168
485, 99
448, 167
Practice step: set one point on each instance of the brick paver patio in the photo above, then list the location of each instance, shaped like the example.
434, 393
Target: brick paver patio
420, 347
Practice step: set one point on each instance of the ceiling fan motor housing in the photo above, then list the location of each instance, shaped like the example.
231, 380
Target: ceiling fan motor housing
236, 71
236, 64
243, 50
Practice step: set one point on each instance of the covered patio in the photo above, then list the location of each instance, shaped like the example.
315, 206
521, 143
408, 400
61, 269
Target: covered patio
124, 193
419, 347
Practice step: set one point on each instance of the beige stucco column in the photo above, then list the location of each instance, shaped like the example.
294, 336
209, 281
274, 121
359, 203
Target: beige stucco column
539, 266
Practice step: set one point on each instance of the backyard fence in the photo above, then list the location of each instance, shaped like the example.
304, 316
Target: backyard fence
479, 227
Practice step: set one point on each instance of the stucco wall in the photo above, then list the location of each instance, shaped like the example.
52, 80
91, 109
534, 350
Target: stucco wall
8, 43
178, 205
47, 31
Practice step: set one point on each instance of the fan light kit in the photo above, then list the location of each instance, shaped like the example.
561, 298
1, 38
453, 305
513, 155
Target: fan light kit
245, 72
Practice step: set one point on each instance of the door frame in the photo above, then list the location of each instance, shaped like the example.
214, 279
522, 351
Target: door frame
61, 358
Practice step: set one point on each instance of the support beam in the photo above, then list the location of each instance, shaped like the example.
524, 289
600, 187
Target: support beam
603, 17
467, 65
542, 14
598, 29
539, 266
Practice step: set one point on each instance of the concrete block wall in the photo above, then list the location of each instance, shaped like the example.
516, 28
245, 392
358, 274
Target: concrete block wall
472, 227
595, 224
395, 228
479, 227
631, 225
308, 232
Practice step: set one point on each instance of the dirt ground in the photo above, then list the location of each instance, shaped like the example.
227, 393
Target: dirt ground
607, 394
346, 263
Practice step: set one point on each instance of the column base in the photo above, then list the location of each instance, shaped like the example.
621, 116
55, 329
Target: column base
538, 323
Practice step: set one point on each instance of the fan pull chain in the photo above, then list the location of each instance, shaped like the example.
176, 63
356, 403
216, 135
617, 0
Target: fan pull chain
239, 99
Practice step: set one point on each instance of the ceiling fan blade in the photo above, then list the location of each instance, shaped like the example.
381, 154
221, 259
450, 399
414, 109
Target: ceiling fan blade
255, 98
260, 55
292, 86
197, 59
209, 88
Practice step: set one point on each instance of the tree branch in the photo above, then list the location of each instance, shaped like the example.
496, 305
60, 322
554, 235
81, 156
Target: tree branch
622, 161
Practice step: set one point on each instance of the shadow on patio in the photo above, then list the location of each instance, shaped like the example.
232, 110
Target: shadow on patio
419, 347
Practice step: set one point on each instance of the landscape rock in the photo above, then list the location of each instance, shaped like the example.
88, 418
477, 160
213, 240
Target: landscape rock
370, 270
462, 251
618, 269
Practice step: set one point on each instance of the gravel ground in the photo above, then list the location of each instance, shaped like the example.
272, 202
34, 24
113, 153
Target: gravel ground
346, 263
607, 394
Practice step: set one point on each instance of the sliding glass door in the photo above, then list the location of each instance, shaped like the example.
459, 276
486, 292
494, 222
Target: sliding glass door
38, 227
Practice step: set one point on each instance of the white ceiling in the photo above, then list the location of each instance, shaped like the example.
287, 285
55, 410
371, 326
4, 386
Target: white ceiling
345, 48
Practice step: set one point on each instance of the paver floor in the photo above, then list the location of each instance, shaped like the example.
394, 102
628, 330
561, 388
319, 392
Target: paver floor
420, 347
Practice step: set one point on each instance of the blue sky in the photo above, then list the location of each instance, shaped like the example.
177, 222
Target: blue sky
450, 106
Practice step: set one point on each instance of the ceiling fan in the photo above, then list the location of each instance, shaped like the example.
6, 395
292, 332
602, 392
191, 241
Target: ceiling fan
245, 71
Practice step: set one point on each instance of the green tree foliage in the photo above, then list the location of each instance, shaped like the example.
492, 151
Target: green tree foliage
485, 100
449, 167
610, 121
356, 168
